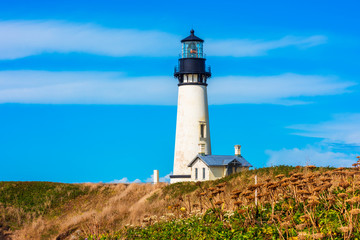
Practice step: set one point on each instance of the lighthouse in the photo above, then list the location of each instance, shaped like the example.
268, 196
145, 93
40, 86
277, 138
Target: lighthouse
193, 160
192, 124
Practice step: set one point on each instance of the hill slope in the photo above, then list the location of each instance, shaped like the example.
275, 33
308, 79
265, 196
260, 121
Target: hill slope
292, 202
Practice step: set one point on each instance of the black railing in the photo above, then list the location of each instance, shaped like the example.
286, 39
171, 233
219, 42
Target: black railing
192, 55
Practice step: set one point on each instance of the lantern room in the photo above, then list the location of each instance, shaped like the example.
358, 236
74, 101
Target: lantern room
191, 68
192, 46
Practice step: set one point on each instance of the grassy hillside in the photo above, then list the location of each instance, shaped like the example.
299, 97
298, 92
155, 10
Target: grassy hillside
292, 203
45, 210
22, 201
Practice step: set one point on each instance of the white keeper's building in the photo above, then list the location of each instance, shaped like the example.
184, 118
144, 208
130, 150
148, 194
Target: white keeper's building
193, 160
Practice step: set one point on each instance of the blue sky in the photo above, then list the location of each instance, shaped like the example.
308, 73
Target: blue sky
87, 92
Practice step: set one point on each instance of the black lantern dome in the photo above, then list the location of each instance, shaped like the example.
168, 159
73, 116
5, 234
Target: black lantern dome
191, 68
192, 37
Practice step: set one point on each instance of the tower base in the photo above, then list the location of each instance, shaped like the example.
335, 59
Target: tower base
180, 178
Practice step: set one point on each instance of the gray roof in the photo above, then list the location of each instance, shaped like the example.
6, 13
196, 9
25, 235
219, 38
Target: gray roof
220, 160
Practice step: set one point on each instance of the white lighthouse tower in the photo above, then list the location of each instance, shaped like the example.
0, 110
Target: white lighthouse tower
192, 125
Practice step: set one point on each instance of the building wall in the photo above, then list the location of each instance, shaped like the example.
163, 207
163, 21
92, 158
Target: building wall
217, 172
200, 165
211, 173
192, 110
175, 180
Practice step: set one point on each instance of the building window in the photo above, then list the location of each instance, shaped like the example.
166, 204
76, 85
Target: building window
203, 173
196, 173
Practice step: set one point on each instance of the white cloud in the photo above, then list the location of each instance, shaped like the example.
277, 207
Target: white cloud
166, 178
150, 179
343, 129
85, 88
245, 47
125, 180
26, 38
116, 88
280, 89
310, 155
340, 136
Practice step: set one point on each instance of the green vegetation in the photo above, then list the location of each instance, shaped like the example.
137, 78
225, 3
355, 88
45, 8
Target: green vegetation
153, 197
232, 225
178, 189
37, 197
207, 226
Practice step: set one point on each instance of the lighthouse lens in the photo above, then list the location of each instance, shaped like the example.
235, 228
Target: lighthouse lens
192, 50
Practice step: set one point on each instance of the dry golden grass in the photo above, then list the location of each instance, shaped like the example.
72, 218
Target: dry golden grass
111, 207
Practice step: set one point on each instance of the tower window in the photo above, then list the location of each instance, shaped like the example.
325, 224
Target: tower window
202, 130
196, 173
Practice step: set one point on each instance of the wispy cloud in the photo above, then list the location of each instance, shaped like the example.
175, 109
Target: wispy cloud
282, 89
117, 88
344, 129
310, 155
339, 136
165, 178
85, 88
26, 38
246, 47
125, 180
